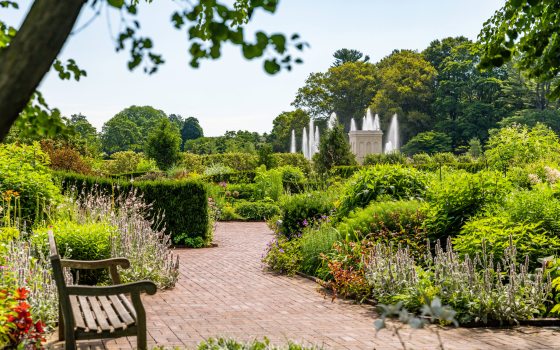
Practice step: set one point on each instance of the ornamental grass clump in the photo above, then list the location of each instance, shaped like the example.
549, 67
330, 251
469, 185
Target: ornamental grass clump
479, 289
139, 235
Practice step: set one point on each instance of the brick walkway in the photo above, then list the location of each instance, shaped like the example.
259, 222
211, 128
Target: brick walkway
224, 291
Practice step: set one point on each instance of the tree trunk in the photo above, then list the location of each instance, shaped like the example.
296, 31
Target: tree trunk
27, 59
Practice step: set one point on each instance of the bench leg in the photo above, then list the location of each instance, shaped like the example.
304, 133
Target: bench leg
141, 342
141, 336
60, 325
70, 345
69, 339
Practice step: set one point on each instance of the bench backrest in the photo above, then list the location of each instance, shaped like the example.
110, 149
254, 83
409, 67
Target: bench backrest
58, 275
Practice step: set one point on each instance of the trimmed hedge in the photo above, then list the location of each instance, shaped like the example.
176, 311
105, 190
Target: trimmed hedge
235, 160
128, 176
184, 203
256, 211
235, 177
301, 210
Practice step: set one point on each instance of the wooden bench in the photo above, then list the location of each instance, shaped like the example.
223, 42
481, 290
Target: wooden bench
98, 312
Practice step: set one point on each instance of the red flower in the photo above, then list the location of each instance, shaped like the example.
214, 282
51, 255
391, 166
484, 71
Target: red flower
21, 294
40, 327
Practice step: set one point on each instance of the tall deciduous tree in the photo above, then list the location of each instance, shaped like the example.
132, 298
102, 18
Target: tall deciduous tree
406, 88
282, 127
469, 102
139, 120
163, 144
439, 50
346, 90
86, 133
28, 53
121, 134
191, 130
428, 142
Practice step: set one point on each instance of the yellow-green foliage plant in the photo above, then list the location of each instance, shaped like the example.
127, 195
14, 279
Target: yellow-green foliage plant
24, 169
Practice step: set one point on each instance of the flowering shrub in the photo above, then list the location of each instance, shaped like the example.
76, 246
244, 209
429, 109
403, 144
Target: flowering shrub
18, 329
346, 265
282, 255
299, 210
125, 230
477, 288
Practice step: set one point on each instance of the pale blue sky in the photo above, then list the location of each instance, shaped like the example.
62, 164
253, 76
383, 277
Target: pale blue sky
232, 93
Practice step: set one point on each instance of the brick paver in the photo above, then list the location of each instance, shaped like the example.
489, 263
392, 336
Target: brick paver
224, 291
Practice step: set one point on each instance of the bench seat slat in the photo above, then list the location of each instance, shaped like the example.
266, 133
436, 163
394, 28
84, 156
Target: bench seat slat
78, 318
99, 314
91, 325
112, 316
128, 318
128, 305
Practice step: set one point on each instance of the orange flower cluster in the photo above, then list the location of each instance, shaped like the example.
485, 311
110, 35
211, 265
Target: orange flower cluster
7, 195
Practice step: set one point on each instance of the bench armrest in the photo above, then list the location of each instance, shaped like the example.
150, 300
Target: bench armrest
133, 287
95, 264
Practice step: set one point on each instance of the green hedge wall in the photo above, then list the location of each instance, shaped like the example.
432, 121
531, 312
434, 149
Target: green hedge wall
238, 177
185, 203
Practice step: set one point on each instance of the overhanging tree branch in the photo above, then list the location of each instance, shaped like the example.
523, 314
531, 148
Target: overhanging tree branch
27, 59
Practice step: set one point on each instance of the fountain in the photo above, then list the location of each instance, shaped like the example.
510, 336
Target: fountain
368, 122
364, 123
392, 144
311, 146
333, 120
293, 142
316, 141
353, 125
304, 143
376, 125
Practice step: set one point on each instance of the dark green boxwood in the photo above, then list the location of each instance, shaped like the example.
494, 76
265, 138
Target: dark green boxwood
184, 202
241, 191
300, 210
235, 177
256, 211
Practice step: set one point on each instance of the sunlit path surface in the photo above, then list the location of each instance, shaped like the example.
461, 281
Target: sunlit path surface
224, 291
